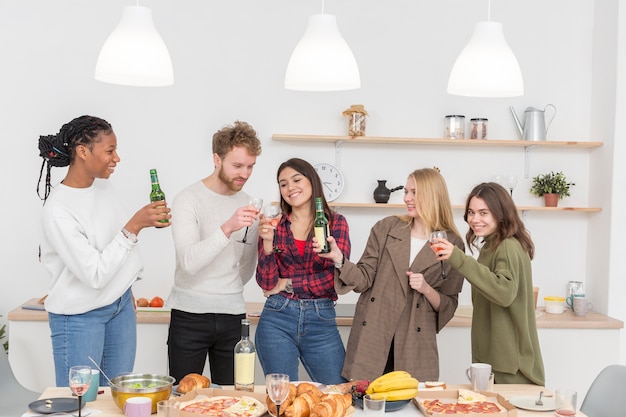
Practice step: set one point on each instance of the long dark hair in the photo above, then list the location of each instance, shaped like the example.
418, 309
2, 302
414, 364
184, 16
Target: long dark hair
306, 169
504, 211
60, 150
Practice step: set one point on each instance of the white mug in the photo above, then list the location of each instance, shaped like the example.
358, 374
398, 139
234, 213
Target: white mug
480, 376
581, 306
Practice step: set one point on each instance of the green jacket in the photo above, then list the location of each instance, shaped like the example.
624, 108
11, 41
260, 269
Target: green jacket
504, 327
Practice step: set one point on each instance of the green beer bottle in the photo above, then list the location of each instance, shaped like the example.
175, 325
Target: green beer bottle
156, 194
320, 226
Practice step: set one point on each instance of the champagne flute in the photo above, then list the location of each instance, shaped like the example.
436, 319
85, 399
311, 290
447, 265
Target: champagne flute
277, 388
257, 203
80, 379
273, 212
438, 234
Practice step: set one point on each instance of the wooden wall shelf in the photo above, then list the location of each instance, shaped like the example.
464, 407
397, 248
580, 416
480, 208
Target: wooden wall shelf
435, 141
338, 204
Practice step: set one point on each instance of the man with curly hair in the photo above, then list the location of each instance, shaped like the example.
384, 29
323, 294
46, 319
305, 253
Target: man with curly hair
210, 218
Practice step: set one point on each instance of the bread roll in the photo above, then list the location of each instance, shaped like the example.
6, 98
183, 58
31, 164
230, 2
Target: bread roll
192, 382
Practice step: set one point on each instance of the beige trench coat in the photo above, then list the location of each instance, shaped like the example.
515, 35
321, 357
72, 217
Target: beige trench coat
389, 309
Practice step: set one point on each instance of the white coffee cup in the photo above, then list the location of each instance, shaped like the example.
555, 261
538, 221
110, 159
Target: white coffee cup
480, 376
581, 306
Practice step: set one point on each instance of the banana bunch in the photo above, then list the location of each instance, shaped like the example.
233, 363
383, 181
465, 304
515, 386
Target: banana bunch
393, 386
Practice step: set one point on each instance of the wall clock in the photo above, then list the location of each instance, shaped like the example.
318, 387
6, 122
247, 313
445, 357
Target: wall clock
332, 180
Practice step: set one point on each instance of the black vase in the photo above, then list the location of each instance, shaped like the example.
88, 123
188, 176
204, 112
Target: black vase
382, 193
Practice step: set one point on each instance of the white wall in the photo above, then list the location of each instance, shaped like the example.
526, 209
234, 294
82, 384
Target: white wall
229, 61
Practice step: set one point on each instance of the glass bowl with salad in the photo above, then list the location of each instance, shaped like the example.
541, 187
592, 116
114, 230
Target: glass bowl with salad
154, 386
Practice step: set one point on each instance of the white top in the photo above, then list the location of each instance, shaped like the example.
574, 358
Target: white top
416, 246
91, 263
211, 269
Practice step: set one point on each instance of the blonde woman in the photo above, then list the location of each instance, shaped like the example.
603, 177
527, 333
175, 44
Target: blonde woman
405, 299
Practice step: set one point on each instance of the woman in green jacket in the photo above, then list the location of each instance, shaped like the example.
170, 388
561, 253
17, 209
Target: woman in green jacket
504, 329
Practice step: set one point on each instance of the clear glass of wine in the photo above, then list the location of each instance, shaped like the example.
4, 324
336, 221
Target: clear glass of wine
273, 212
438, 234
257, 203
277, 388
80, 379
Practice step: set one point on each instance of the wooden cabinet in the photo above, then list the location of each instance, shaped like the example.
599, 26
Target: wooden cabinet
341, 141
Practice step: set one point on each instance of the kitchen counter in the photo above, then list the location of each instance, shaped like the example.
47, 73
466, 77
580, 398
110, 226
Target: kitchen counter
566, 343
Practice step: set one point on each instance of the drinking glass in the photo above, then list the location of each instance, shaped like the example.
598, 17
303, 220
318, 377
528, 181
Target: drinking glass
438, 234
273, 212
257, 203
277, 388
80, 379
510, 181
565, 402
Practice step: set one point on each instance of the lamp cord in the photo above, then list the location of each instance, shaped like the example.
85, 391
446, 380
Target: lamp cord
489, 11
323, 6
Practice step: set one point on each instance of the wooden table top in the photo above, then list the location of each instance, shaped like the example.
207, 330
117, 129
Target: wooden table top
107, 408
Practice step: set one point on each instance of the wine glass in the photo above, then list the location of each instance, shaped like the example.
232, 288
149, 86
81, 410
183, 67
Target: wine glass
510, 181
257, 203
438, 234
273, 212
80, 379
277, 388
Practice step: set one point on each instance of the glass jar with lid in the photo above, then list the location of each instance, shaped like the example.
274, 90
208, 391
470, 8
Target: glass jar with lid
478, 128
454, 126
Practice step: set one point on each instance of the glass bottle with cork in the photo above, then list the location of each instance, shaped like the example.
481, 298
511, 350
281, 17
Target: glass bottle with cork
245, 357
156, 194
320, 225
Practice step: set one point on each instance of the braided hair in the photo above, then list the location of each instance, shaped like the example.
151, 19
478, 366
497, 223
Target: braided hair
59, 150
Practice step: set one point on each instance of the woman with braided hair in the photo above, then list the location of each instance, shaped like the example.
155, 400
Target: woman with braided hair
89, 251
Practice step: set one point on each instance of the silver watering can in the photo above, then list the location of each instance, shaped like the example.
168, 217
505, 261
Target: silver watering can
534, 127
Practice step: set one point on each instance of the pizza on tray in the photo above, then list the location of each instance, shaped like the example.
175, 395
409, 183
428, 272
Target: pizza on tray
468, 402
479, 407
225, 406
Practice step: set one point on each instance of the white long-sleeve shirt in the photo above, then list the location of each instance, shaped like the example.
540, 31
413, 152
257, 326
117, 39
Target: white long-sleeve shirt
91, 263
211, 269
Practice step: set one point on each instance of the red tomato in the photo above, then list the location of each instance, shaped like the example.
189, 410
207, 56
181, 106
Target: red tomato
157, 302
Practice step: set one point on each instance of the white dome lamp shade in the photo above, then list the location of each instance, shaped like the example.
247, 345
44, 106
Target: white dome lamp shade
487, 66
322, 60
134, 54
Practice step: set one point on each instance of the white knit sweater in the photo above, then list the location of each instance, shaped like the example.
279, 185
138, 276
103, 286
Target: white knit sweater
211, 269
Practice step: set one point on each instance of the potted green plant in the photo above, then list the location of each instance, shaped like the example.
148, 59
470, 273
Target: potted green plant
552, 186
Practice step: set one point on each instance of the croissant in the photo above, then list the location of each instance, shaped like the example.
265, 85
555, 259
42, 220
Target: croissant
311, 398
298, 408
192, 382
329, 407
306, 387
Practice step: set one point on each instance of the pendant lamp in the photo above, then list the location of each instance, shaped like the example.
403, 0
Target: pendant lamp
487, 66
322, 60
134, 54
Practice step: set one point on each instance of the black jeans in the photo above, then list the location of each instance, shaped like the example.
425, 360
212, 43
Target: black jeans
194, 336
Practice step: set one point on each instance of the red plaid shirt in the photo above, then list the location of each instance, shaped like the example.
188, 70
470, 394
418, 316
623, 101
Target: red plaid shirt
311, 276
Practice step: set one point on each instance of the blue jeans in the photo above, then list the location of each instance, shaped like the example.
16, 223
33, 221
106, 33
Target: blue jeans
107, 334
289, 330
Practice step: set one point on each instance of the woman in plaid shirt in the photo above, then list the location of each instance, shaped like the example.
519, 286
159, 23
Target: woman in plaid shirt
298, 319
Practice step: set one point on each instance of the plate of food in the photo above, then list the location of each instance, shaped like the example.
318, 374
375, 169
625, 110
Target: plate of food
528, 403
54, 405
243, 406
